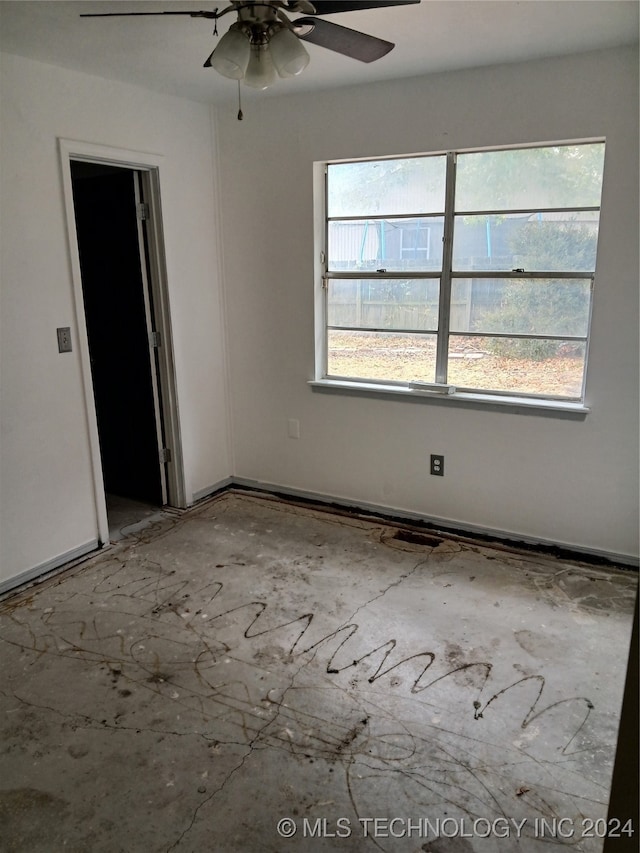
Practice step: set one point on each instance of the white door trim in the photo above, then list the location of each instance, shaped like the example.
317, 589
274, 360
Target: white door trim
176, 490
145, 249
150, 165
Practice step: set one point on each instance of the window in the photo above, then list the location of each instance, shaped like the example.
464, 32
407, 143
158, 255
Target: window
415, 242
465, 272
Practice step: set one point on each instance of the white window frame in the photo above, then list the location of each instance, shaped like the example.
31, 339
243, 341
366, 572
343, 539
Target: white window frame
439, 389
421, 229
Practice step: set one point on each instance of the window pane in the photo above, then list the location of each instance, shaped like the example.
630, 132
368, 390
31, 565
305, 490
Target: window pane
544, 367
382, 355
521, 306
558, 176
386, 187
535, 242
390, 244
383, 303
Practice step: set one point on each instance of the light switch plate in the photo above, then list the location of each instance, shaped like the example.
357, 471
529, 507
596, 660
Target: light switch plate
293, 428
64, 339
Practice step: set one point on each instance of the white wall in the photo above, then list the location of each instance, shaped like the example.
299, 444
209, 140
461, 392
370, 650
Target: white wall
46, 481
573, 482
542, 477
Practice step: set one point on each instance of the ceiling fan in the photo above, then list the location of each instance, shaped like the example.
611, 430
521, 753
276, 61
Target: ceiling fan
263, 42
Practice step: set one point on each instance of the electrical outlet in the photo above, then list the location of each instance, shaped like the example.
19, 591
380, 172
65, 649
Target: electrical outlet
64, 339
437, 465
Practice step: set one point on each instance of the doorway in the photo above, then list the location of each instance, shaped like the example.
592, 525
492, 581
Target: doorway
121, 330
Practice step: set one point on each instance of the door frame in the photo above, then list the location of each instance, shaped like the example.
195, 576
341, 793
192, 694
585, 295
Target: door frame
150, 325
149, 167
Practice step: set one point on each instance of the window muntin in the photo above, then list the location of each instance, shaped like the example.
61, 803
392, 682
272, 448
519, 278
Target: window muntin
509, 260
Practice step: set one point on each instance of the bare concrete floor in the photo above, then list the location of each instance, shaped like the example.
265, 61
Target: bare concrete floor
255, 676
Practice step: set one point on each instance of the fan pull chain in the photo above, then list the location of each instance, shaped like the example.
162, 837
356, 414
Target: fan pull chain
240, 115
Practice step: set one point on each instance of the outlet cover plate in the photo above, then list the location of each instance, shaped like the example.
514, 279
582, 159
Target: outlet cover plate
437, 464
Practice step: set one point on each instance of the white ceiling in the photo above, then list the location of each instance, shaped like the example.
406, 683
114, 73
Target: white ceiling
166, 54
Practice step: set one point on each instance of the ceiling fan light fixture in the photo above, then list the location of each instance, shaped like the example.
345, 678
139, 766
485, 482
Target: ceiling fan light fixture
232, 55
264, 40
261, 72
288, 54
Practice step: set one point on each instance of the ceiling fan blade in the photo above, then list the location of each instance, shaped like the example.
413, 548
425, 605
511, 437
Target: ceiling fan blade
331, 7
140, 14
343, 40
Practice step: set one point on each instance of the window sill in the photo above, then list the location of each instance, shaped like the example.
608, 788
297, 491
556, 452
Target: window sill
534, 405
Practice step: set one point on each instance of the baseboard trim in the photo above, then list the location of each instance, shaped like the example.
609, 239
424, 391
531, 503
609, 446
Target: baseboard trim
210, 491
443, 525
37, 573
329, 503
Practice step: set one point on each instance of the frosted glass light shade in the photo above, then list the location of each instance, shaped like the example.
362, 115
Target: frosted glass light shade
231, 56
288, 54
260, 72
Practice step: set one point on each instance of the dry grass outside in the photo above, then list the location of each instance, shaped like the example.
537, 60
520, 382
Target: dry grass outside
411, 358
